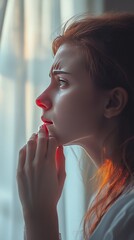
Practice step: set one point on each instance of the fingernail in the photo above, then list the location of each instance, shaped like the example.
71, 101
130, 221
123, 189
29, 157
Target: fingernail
40, 127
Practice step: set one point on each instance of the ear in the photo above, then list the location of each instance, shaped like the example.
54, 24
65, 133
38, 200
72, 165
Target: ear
116, 101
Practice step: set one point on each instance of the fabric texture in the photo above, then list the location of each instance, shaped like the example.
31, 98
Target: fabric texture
118, 222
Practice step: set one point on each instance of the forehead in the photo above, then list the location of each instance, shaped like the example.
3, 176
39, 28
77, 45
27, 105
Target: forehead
68, 57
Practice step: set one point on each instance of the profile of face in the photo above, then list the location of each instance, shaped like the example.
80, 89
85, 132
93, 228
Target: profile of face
71, 101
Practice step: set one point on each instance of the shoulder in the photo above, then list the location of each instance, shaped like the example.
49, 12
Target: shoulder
118, 222
122, 224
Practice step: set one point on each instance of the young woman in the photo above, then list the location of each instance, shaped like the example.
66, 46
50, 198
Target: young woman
89, 102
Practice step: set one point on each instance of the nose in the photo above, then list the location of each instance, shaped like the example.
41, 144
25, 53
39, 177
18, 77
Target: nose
43, 101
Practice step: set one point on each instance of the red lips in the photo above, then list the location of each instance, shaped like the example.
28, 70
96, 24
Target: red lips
47, 121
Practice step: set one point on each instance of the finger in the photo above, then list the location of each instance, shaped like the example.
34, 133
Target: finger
45, 129
21, 160
41, 146
20, 169
52, 145
21, 177
31, 150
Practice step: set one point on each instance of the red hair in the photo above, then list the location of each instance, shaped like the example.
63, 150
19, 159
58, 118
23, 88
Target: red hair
107, 45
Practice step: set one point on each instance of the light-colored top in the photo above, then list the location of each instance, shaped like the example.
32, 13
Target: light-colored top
118, 222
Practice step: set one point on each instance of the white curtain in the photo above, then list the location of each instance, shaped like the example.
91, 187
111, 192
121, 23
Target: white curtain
27, 28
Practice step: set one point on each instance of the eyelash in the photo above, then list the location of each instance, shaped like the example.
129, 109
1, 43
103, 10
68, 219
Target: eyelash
61, 80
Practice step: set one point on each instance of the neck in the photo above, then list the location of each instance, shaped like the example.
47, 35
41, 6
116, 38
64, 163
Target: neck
97, 146
107, 141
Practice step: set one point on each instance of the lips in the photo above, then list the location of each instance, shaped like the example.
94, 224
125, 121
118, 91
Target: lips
46, 121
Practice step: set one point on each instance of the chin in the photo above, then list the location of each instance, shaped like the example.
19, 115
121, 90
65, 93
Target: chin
61, 141
64, 139
68, 142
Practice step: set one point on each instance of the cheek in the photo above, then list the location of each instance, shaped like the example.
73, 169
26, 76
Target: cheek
75, 112
75, 116
68, 107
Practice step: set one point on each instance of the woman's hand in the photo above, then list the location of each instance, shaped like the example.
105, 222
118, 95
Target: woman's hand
40, 175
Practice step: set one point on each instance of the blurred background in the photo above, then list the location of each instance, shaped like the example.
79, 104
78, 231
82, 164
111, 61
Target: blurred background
27, 28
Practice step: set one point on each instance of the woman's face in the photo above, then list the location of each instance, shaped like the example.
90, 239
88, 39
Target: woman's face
71, 101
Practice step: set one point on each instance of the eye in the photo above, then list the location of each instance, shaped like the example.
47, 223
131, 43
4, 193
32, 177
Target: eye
62, 82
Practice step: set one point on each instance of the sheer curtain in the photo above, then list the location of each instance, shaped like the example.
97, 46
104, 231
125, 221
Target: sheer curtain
26, 31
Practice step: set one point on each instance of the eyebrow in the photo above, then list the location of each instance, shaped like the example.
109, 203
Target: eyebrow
55, 72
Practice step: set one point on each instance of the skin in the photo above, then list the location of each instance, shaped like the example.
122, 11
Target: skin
82, 115
80, 112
